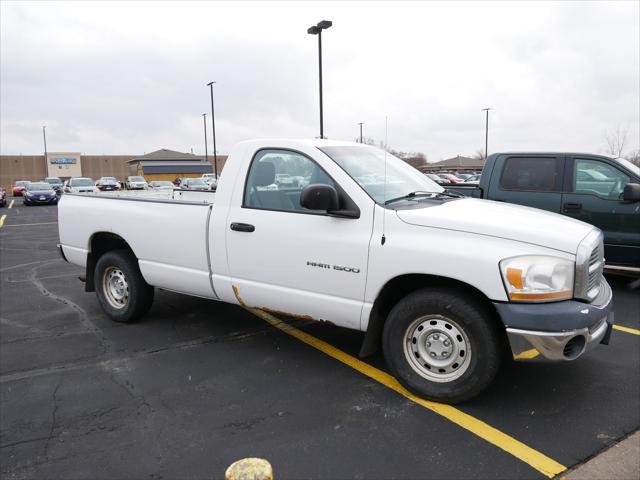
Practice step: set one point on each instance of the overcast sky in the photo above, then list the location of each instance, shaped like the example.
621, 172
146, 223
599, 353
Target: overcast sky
128, 78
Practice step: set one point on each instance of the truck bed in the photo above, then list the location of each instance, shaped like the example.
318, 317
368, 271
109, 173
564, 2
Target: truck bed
165, 230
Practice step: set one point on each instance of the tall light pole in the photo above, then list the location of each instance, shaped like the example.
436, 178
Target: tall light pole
361, 123
213, 127
317, 30
46, 164
206, 154
486, 132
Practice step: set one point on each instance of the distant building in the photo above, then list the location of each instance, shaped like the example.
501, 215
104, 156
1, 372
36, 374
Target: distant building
458, 163
168, 164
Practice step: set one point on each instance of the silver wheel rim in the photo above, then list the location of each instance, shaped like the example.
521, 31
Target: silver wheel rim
437, 348
115, 287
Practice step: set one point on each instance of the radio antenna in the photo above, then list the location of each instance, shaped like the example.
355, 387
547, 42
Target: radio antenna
384, 189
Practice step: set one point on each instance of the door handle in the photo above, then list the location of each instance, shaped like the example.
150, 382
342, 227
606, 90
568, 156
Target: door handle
242, 227
572, 207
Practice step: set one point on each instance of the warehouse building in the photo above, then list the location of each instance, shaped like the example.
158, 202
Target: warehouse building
170, 165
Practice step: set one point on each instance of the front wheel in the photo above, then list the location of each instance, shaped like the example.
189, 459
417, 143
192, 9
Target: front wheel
442, 346
122, 291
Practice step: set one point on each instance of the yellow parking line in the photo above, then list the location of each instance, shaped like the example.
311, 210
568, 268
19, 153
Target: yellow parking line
11, 204
627, 329
29, 224
2, 220
535, 459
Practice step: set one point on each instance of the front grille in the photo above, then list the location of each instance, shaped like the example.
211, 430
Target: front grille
596, 264
589, 266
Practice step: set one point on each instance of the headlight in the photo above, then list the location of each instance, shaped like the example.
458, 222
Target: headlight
537, 278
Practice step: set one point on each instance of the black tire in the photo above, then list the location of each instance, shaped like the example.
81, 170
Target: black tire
124, 295
425, 315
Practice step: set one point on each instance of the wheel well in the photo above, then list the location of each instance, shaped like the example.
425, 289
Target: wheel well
99, 244
399, 287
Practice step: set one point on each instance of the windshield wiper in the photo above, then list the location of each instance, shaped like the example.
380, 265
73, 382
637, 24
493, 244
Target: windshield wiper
449, 193
409, 195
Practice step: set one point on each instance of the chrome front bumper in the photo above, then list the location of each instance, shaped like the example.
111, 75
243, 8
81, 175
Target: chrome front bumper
529, 345
570, 338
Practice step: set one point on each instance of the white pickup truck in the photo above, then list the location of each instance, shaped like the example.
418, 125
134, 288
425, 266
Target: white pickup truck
445, 285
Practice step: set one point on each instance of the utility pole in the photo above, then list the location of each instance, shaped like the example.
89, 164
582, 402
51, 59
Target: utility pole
361, 123
486, 133
213, 127
206, 154
46, 163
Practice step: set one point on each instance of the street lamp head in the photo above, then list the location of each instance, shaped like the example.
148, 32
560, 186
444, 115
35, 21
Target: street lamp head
316, 29
210, 83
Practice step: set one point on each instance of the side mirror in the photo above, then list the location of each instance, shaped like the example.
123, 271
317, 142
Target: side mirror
319, 197
631, 192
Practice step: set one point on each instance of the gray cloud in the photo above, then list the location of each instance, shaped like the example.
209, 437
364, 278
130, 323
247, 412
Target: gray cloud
130, 77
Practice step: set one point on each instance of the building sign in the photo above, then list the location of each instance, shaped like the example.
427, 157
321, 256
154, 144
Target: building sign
64, 164
63, 160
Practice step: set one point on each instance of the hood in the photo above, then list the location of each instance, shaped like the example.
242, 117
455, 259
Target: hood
41, 192
503, 220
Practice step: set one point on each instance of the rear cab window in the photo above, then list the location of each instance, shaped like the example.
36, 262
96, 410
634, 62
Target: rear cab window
534, 174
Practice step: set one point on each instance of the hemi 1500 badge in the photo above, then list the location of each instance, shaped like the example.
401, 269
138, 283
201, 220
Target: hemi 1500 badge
334, 267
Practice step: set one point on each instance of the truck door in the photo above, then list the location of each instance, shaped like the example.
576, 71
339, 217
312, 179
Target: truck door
286, 258
594, 195
533, 180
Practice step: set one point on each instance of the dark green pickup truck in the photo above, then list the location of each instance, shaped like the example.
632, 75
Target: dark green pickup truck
599, 190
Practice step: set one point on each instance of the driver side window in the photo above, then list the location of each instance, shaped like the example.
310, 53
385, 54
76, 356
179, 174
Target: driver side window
598, 178
276, 179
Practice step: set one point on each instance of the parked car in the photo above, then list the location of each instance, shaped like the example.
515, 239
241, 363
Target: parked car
56, 183
284, 180
194, 184
19, 187
3, 197
161, 185
442, 283
473, 179
210, 179
135, 182
462, 176
80, 185
38, 193
599, 190
436, 178
108, 184
451, 178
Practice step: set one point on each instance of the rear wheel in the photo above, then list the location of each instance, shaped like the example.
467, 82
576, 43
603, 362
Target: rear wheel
122, 291
442, 346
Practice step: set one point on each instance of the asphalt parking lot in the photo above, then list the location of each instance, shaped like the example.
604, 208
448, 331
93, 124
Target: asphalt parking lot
198, 384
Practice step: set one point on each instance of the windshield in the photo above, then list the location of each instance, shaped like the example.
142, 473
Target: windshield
628, 165
81, 182
195, 181
38, 186
366, 165
53, 181
136, 179
108, 179
22, 183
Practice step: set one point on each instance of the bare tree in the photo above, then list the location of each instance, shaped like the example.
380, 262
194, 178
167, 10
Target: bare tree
634, 157
479, 155
615, 140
